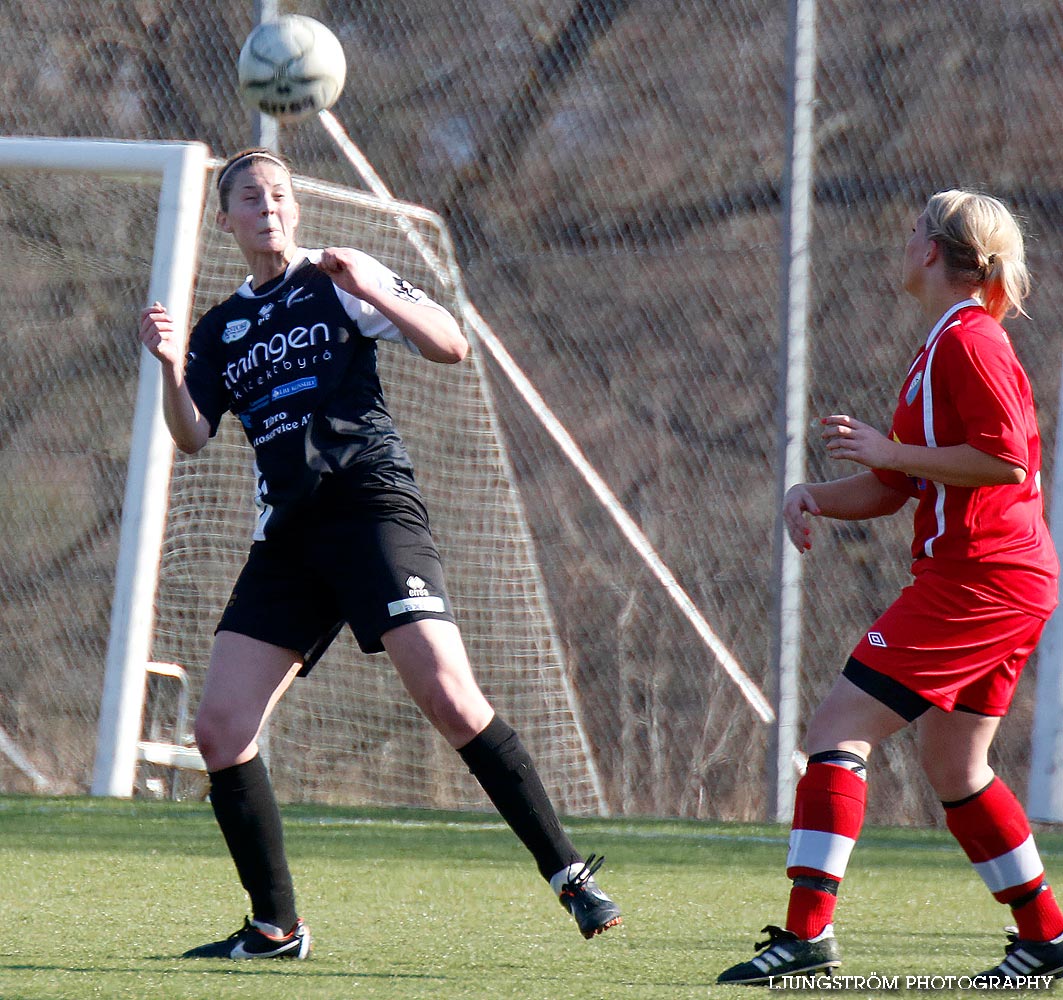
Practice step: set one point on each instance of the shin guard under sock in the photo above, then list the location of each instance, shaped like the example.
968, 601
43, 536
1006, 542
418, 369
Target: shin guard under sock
828, 814
246, 810
992, 828
497, 759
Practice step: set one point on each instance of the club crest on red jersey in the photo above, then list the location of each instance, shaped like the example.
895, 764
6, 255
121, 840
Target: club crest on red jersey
913, 388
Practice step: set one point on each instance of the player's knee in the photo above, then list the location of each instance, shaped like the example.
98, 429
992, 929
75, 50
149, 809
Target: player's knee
219, 737
443, 709
457, 712
207, 738
951, 776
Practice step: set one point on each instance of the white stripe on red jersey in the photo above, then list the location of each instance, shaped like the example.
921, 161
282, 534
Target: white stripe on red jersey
928, 415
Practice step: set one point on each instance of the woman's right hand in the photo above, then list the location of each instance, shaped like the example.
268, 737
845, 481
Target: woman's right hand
159, 335
188, 428
797, 504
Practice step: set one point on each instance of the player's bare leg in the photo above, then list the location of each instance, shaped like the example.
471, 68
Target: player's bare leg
431, 661
954, 751
245, 680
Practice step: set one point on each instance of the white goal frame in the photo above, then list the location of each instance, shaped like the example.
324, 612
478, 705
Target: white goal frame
182, 168
1044, 795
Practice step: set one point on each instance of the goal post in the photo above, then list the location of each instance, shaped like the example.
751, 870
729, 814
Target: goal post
182, 167
1044, 788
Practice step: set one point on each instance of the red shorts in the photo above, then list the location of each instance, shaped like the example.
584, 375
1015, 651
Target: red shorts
951, 646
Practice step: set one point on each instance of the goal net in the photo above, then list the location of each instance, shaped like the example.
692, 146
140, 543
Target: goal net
71, 292
348, 733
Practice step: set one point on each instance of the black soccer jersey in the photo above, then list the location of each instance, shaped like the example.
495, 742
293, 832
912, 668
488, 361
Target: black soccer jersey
296, 363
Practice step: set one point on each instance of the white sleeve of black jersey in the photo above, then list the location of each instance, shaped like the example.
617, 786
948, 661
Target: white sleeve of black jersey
371, 322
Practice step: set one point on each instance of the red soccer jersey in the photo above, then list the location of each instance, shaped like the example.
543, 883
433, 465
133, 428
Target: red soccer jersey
966, 386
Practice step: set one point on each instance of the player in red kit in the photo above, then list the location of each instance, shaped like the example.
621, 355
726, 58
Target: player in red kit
947, 654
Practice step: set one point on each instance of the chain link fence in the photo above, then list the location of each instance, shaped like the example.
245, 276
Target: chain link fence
610, 172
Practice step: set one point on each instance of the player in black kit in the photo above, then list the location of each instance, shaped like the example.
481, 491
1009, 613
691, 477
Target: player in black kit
342, 537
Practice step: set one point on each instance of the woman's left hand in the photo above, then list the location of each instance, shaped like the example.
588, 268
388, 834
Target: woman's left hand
850, 440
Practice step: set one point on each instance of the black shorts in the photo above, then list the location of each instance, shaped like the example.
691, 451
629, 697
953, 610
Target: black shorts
369, 562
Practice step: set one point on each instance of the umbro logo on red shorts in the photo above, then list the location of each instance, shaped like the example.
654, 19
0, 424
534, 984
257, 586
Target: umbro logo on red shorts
875, 638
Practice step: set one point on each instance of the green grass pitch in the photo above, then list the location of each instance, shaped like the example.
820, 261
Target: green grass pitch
99, 896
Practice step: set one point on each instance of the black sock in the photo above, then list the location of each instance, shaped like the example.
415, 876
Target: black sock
498, 760
243, 803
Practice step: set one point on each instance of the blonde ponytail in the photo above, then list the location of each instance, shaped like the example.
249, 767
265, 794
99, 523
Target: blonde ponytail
983, 246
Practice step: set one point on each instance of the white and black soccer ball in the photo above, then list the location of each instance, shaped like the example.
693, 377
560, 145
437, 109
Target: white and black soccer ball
291, 68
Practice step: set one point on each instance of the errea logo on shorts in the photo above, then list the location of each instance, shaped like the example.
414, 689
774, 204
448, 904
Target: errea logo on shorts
875, 638
419, 599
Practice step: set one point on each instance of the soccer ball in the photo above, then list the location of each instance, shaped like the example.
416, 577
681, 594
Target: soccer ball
291, 68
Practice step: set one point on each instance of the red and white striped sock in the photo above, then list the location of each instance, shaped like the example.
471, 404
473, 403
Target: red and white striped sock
828, 814
992, 828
